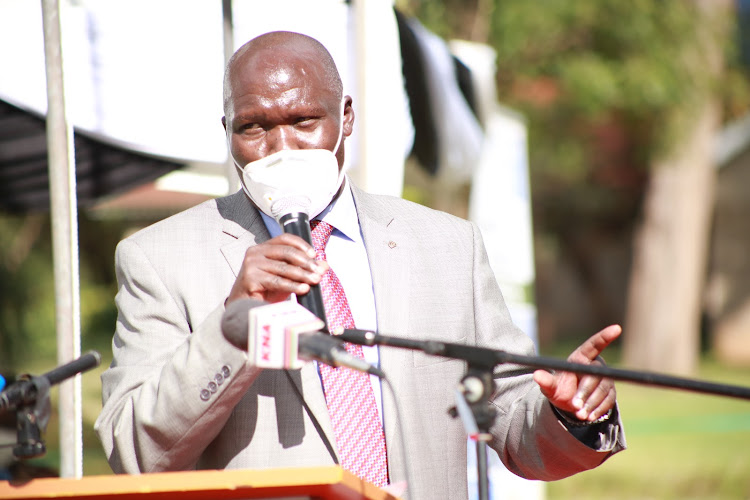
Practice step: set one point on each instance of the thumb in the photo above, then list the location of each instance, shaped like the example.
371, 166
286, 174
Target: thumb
546, 381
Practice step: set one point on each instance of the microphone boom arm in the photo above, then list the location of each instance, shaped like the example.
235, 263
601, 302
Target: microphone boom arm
478, 383
485, 357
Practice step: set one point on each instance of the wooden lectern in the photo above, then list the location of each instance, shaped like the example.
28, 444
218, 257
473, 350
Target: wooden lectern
324, 483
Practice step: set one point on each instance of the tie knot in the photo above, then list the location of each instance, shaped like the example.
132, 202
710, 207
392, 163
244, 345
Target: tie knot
321, 231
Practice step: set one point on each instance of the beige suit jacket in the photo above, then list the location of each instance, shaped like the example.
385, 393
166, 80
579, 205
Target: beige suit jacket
179, 396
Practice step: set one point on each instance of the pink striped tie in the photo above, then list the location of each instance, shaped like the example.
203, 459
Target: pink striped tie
351, 401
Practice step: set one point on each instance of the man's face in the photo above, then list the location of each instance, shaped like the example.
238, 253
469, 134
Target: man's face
282, 102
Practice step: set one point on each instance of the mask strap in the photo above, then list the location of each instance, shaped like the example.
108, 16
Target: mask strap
229, 149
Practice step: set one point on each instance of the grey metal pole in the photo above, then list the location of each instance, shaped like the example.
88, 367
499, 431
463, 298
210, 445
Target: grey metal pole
64, 215
228, 31
361, 47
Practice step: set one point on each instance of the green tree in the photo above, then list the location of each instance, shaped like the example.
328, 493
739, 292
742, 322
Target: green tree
27, 291
617, 94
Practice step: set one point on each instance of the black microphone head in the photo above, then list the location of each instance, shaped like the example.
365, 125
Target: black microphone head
235, 323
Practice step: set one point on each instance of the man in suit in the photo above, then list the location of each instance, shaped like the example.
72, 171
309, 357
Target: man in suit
180, 396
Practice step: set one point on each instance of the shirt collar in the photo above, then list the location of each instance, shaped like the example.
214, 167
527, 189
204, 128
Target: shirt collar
341, 214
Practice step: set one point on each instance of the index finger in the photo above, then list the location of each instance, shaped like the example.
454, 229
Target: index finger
293, 241
596, 344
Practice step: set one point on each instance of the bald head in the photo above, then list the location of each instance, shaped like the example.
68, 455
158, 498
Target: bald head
277, 49
282, 91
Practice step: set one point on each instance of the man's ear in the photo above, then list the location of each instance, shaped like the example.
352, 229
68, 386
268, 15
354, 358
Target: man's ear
224, 122
348, 116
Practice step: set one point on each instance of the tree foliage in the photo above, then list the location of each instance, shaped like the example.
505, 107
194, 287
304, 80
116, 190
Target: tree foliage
607, 88
27, 289
605, 84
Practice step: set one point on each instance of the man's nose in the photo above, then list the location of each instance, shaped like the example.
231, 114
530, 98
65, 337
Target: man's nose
279, 138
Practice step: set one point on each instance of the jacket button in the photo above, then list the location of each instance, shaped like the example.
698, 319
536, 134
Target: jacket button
205, 394
219, 378
225, 371
212, 387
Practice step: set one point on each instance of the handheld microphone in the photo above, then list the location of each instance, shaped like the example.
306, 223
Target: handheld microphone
291, 214
281, 334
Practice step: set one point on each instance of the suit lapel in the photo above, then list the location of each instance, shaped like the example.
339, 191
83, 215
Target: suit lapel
312, 390
243, 226
388, 253
388, 250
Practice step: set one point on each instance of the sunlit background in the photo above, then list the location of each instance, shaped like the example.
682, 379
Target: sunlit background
603, 147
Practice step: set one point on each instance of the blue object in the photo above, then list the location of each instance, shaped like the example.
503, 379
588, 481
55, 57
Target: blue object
2, 382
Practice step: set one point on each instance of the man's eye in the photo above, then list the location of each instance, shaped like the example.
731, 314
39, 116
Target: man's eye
306, 121
250, 127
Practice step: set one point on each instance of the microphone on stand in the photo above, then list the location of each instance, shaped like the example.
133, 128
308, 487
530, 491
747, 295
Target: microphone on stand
26, 390
292, 215
29, 397
278, 329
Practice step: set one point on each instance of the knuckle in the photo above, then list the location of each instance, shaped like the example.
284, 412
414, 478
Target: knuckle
274, 282
282, 269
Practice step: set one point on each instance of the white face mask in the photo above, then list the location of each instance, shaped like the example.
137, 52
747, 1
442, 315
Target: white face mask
293, 180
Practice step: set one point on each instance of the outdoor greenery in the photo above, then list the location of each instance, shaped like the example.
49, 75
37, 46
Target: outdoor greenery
27, 292
607, 87
681, 445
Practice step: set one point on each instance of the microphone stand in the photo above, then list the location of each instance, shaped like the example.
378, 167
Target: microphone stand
29, 396
472, 405
31, 420
477, 386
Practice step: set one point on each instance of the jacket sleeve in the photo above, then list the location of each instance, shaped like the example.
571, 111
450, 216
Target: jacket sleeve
171, 386
529, 437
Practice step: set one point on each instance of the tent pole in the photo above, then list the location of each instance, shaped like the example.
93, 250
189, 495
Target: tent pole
228, 31
64, 216
361, 48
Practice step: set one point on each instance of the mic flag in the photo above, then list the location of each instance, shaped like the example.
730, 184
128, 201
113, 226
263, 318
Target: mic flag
273, 335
